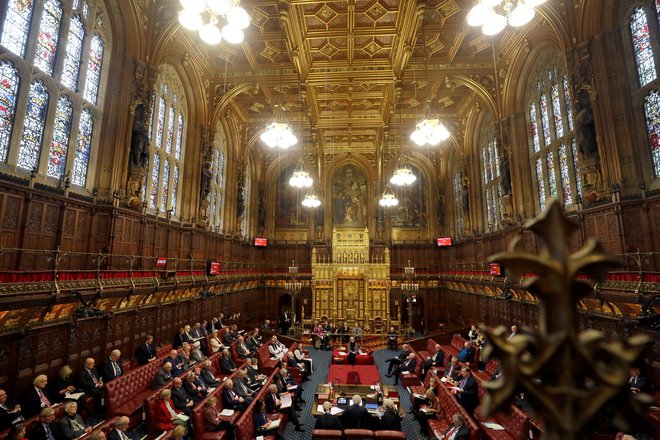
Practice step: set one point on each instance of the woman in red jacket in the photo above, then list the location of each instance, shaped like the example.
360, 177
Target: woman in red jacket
166, 414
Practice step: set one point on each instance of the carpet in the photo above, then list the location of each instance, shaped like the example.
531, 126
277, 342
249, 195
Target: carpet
366, 374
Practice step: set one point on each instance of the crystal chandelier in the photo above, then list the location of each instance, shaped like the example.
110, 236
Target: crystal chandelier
388, 199
403, 175
278, 135
208, 16
311, 200
300, 178
493, 15
429, 131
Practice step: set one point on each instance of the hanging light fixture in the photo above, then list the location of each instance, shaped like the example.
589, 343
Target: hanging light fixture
205, 16
278, 133
300, 177
388, 199
311, 200
403, 174
493, 15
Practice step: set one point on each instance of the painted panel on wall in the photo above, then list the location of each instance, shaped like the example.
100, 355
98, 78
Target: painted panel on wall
411, 212
349, 197
288, 208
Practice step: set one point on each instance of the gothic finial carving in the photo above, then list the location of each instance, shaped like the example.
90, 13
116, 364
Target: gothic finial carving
568, 376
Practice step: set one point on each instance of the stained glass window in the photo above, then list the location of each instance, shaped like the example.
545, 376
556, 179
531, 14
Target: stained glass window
160, 124
540, 182
491, 175
652, 110
545, 119
17, 26
641, 39
83, 148
175, 187
535, 127
556, 110
565, 178
74, 45
247, 187
93, 79
179, 136
578, 179
59, 145
567, 100
170, 129
551, 175
49, 33
155, 179
222, 169
9, 83
458, 205
166, 186
152, 104
33, 128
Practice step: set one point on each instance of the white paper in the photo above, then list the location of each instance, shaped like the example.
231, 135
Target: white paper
286, 401
227, 412
292, 387
437, 435
274, 424
73, 396
494, 426
342, 353
335, 410
260, 437
319, 408
182, 417
419, 396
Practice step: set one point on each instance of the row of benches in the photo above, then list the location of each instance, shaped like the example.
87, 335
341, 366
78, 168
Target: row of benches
331, 434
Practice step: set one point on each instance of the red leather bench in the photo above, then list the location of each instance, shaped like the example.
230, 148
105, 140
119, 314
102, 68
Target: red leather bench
106, 427
245, 422
358, 434
456, 345
430, 348
389, 435
419, 389
161, 352
126, 394
410, 379
514, 421
326, 434
198, 417
32, 421
450, 406
266, 364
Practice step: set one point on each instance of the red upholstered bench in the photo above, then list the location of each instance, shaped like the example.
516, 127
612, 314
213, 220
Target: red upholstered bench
410, 379
450, 406
126, 394
389, 435
244, 424
430, 348
106, 427
514, 421
32, 421
456, 345
326, 434
358, 434
419, 389
197, 418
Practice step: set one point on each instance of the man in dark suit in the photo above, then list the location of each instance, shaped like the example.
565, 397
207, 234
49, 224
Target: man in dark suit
163, 376
398, 359
273, 405
8, 412
207, 375
637, 382
292, 363
327, 420
91, 383
227, 365
242, 349
121, 426
230, 399
182, 400
45, 429
356, 416
458, 430
241, 388
228, 337
111, 368
285, 322
176, 362
254, 341
436, 360
196, 392
146, 352
36, 397
392, 339
407, 366
212, 325
466, 391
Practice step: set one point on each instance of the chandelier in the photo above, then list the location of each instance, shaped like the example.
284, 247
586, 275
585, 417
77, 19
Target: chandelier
300, 178
429, 131
311, 200
278, 135
216, 20
388, 199
403, 175
493, 15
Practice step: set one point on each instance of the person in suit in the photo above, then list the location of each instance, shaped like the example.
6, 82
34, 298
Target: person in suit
356, 416
251, 374
352, 350
207, 375
255, 341
146, 352
17, 432
227, 365
163, 376
176, 363
274, 403
111, 367
407, 366
452, 369
345, 331
36, 397
215, 342
299, 355
61, 385
514, 331
458, 430
436, 360
182, 400
242, 349
228, 337
219, 324
184, 357
241, 388
390, 420
45, 429
392, 339
186, 336
285, 322
392, 362
196, 392
466, 391
165, 416
473, 333
212, 325
417, 402
119, 431
265, 325
467, 353
285, 382
196, 354
71, 425
230, 399
327, 420
8, 412
637, 382
212, 420
90, 382
263, 426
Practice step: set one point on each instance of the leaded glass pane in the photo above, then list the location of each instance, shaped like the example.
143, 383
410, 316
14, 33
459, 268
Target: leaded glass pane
179, 137
657, 10
578, 178
166, 186
33, 129
74, 45
94, 69
545, 120
494, 159
83, 148
85, 8
458, 197
161, 122
9, 83
540, 182
556, 110
215, 166
61, 133
552, 181
155, 179
489, 207
565, 178
170, 130
641, 39
49, 33
652, 110
175, 187
222, 169
484, 158
151, 115
17, 26
218, 209
567, 100
535, 127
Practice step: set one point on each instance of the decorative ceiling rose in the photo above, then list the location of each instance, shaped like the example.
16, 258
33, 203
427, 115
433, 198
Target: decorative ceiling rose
311, 200
493, 15
205, 17
429, 131
388, 199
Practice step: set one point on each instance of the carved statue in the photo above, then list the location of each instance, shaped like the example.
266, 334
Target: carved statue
261, 217
465, 193
240, 199
139, 156
441, 211
505, 173
585, 133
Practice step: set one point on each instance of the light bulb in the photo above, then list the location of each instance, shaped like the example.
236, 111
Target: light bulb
232, 34
478, 15
238, 17
190, 20
193, 5
521, 15
220, 7
210, 34
494, 25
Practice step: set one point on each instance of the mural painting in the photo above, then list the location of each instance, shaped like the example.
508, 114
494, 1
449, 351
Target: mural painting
349, 197
287, 203
411, 211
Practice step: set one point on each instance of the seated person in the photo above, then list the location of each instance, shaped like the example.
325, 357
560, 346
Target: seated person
212, 420
230, 399
228, 337
227, 365
176, 363
467, 353
163, 376
431, 410
90, 382
146, 352
352, 348
327, 420
408, 366
251, 374
9, 414
300, 357
36, 397
356, 416
45, 429
206, 374
452, 369
436, 360
637, 382
390, 420
274, 405
196, 392
473, 333
392, 339
166, 415
417, 402
242, 349
241, 388
182, 400
397, 359
196, 354
292, 363
276, 348
121, 426
458, 430
216, 344
263, 426
254, 340
111, 366
71, 425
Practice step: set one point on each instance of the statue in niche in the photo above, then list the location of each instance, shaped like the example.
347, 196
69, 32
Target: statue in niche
585, 133
441, 211
207, 176
240, 197
505, 172
139, 155
465, 193
261, 216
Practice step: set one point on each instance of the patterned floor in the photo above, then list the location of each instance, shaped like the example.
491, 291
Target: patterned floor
321, 363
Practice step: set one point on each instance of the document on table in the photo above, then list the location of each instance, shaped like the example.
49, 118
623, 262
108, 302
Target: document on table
335, 410
227, 412
286, 401
291, 387
419, 396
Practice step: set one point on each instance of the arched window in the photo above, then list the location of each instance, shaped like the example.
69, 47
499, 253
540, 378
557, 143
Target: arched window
490, 161
552, 133
643, 24
50, 37
247, 186
216, 193
458, 203
167, 147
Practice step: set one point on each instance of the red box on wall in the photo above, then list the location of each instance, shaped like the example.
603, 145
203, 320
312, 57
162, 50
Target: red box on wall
495, 269
444, 241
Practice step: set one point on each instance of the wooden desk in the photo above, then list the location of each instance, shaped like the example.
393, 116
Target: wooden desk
349, 391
